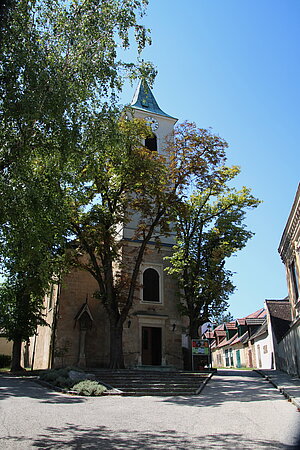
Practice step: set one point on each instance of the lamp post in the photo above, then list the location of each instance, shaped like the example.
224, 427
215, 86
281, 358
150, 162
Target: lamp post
209, 341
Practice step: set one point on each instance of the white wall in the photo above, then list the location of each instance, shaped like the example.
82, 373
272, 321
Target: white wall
263, 352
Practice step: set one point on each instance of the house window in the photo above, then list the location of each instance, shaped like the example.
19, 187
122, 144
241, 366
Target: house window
151, 143
295, 280
151, 286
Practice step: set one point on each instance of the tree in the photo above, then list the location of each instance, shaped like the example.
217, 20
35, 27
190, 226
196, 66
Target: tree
31, 239
20, 308
210, 228
120, 178
218, 318
59, 68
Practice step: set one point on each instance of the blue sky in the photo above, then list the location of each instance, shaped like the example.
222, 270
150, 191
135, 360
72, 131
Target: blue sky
234, 66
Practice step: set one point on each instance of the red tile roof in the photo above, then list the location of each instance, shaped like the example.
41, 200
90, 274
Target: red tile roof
220, 332
230, 325
257, 314
229, 342
241, 321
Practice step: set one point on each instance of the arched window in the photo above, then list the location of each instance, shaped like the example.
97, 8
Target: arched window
151, 143
151, 286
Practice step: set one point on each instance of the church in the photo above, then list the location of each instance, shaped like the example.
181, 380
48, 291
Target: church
78, 331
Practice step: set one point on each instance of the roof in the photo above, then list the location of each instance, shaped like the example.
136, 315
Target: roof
229, 341
257, 314
260, 313
255, 321
241, 321
280, 315
263, 329
242, 339
84, 308
220, 327
144, 99
220, 332
208, 335
230, 325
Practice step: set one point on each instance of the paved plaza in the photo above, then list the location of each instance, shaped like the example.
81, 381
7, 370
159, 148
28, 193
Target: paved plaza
236, 410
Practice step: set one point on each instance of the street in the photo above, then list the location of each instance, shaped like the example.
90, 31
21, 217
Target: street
236, 410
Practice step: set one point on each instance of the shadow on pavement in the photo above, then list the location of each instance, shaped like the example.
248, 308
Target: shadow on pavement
26, 387
77, 437
231, 386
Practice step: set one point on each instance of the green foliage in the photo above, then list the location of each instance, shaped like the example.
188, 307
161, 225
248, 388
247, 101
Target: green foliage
210, 228
221, 317
59, 67
54, 374
20, 307
60, 378
89, 387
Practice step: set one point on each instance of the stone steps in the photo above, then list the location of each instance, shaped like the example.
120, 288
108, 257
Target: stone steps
138, 383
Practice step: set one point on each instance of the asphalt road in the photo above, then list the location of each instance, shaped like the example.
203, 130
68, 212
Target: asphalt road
236, 410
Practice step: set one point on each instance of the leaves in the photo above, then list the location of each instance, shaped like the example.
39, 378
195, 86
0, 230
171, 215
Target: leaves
59, 68
210, 228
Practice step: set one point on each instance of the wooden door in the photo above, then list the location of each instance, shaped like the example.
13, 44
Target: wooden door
151, 346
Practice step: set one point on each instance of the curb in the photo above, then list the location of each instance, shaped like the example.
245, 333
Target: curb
281, 389
200, 389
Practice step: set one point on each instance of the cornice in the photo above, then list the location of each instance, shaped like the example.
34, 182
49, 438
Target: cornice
291, 231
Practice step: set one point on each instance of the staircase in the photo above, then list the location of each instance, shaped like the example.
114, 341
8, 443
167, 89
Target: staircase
151, 382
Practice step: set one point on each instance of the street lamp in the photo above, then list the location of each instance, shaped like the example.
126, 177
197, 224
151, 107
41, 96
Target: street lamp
209, 328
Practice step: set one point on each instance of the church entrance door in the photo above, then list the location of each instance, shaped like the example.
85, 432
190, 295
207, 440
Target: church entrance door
151, 346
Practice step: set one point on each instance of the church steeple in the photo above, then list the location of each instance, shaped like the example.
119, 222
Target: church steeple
144, 99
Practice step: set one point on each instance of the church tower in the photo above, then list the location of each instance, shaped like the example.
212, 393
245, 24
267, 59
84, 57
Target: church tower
153, 334
145, 106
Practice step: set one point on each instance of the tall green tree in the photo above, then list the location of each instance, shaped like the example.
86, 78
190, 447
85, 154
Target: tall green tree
59, 67
120, 180
210, 229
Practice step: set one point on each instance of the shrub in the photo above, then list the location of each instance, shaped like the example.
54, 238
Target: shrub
88, 387
63, 382
52, 375
60, 378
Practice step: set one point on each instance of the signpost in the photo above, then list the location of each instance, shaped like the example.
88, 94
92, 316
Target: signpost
199, 347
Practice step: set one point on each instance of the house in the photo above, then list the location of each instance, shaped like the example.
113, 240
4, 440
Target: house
238, 343
278, 323
78, 332
288, 346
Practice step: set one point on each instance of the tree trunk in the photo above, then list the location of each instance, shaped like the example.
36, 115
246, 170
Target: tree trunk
16, 356
194, 329
116, 346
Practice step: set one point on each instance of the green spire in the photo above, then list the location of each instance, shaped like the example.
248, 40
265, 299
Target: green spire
144, 99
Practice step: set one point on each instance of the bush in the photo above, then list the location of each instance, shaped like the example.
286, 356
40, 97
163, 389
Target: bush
52, 375
5, 361
60, 378
88, 387
64, 382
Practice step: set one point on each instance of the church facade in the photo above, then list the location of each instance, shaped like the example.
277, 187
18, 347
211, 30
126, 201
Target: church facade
78, 331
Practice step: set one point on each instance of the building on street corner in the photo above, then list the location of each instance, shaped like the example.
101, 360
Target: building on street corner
288, 348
